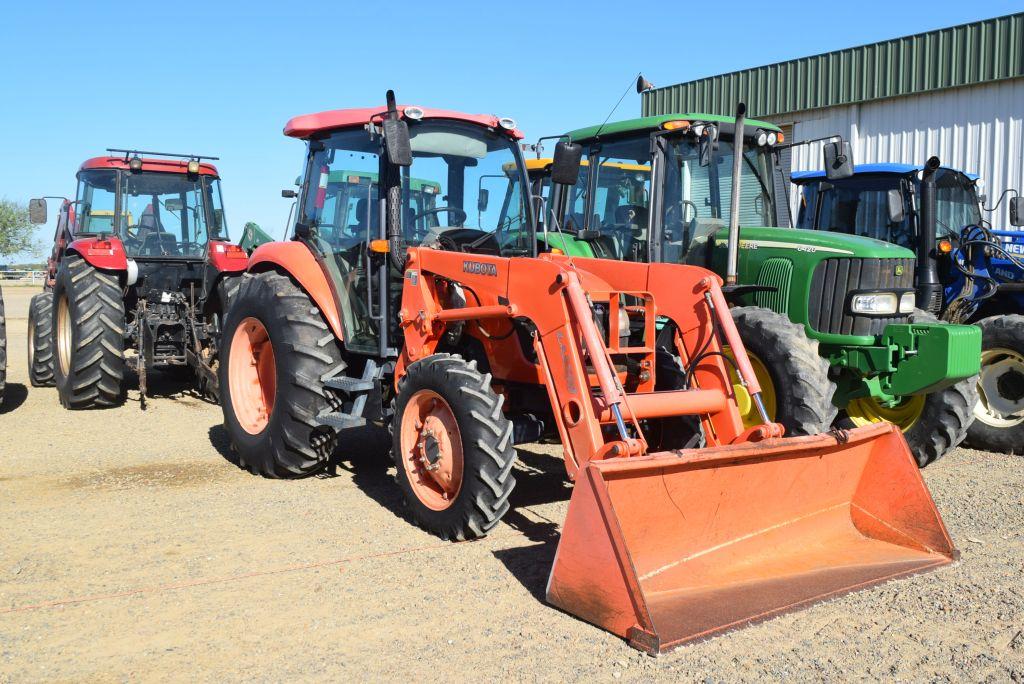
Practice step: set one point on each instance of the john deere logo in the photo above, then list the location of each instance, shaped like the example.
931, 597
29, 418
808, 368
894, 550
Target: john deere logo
899, 269
479, 268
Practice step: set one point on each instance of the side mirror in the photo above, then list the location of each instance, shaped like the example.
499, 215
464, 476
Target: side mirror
894, 203
397, 142
37, 211
565, 167
706, 144
838, 160
482, 199
289, 194
218, 220
1016, 212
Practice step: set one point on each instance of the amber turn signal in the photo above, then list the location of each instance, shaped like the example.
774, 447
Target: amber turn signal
379, 246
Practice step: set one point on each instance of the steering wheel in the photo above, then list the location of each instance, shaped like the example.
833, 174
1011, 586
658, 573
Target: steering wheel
458, 214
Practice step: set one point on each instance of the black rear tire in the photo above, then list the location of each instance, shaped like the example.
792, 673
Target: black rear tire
990, 431
40, 340
293, 443
3, 349
799, 375
486, 439
88, 333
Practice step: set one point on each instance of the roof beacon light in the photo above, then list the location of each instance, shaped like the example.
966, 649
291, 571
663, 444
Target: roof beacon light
677, 125
135, 164
193, 166
507, 123
414, 113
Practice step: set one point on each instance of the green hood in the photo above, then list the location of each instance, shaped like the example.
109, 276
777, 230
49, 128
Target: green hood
815, 241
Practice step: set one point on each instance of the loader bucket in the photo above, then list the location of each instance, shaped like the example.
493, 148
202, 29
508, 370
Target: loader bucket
676, 546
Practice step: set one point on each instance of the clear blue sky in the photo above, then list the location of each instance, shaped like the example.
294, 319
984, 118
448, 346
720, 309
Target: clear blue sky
221, 78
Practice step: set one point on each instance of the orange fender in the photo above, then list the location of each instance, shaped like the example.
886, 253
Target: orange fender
295, 259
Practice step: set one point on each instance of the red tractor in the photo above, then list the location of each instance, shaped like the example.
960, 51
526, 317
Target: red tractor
447, 325
140, 275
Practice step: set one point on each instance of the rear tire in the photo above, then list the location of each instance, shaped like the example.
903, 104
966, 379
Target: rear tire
1002, 342
88, 333
291, 443
3, 349
40, 340
798, 382
480, 448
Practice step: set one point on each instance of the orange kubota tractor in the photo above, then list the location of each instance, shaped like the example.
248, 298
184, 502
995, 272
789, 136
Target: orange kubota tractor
461, 338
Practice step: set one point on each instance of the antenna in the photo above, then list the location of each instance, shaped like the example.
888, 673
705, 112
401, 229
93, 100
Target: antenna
632, 80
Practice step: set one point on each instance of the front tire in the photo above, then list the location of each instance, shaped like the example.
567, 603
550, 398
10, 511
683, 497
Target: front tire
999, 414
275, 352
452, 448
933, 424
88, 324
40, 340
795, 386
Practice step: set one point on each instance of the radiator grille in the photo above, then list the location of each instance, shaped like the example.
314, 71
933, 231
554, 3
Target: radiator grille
777, 273
835, 279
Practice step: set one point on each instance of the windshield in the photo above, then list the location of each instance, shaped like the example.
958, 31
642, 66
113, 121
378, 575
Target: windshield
697, 198
612, 202
859, 206
160, 214
956, 202
856, 206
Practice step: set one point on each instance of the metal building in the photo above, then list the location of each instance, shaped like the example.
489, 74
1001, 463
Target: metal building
956, 92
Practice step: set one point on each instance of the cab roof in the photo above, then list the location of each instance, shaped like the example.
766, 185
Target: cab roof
652, 123
308, 125
148, 164
897, 169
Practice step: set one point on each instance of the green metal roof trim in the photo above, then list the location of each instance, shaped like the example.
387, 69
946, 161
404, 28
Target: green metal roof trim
650, 123
969, 54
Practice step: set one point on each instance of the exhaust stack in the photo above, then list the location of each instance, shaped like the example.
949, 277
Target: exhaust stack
732, 268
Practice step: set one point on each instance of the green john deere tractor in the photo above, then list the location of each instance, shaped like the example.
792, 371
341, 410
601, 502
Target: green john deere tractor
829, 320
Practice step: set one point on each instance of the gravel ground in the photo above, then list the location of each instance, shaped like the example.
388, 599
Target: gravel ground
133, 548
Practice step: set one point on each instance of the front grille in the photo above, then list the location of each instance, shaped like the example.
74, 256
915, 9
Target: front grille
835, 279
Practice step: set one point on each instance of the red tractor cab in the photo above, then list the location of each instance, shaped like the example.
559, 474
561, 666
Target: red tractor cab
139, 277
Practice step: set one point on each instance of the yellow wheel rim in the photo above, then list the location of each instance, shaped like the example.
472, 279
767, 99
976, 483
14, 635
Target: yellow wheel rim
748, 412
867, 410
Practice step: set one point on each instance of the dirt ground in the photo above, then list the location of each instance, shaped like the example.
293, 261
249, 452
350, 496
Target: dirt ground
131, 547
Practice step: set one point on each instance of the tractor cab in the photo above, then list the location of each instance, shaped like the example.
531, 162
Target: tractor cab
616, 211
881, 201
352, 178
158, 208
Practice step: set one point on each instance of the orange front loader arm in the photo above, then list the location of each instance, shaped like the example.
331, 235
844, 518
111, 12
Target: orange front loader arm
594, 414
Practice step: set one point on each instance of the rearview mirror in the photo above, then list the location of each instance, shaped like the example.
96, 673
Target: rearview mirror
174, 205
37, 211
1016, 211
838, 160
289, 194
396, 139
482, 199
565, 167
894, 204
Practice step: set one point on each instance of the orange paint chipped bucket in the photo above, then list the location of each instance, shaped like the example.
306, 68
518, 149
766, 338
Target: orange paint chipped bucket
678, 546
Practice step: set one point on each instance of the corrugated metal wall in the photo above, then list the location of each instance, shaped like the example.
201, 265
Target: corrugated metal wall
979, 129
979, 52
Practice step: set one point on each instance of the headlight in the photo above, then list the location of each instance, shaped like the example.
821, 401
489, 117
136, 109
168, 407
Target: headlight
772, 138
878, 303
762, 138
908, 302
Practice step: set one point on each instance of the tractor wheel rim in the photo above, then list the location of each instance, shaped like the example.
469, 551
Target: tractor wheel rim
252, 375
64, 335
1000, 388
745, 403
867, 410
432, 453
